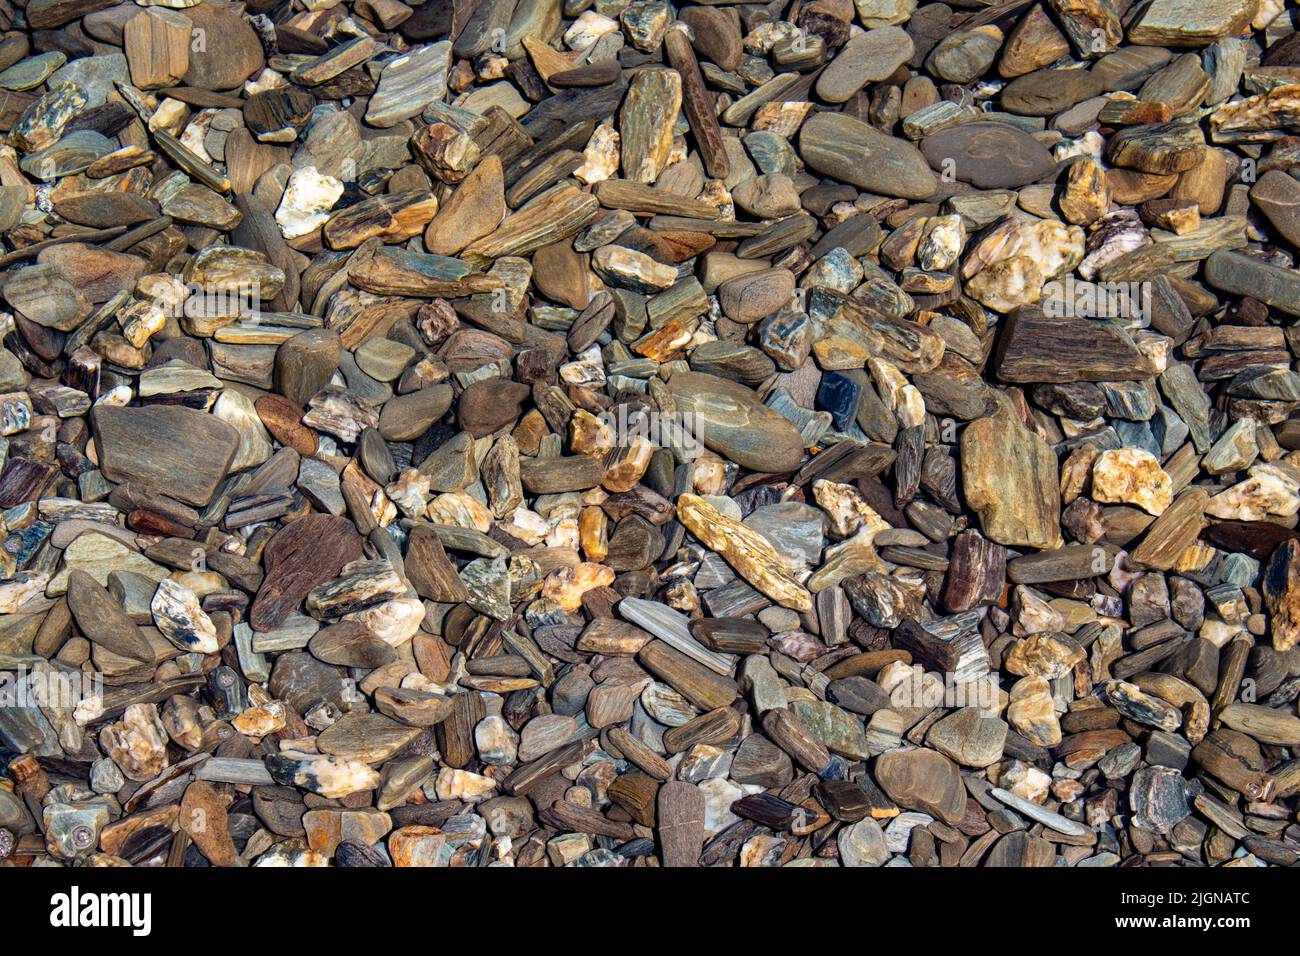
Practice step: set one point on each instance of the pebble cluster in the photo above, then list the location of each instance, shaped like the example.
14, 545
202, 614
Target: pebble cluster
632, 433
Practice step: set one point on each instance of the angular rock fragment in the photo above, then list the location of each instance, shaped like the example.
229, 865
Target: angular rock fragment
1009, 478
179, 450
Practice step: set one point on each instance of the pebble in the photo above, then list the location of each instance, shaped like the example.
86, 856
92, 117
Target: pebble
923, 780
869, 57
988, 155
849, 150
969, 737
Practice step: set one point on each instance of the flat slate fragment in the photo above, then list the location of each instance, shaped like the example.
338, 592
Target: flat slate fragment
1009, 477
181, 451
1034, 347
1244, 275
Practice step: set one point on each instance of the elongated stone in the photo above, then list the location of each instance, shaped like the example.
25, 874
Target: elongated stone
391, 218
650, 108
1047, 818
869, 57
329, 776
1180, 23
703, 687
729, 420
550, 217
697, 104
102, 621
1282, 595
1243, 275
849, 150
748, 552
988, 155
680, 820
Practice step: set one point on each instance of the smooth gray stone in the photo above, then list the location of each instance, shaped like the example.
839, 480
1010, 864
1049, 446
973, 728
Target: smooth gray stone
988, 155
730, 420
849, 150
1242, 275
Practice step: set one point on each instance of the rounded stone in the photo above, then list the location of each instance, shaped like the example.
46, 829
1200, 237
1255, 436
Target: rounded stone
988, 155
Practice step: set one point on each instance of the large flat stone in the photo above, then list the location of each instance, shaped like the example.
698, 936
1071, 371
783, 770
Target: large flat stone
179, 451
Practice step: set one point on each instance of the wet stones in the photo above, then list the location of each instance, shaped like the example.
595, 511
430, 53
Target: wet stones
1281, 593
137, 742
1160, 798
1049, 92
224, 65
489, 405
863, 844
474, 210
650, 435
325, 775
1032, 712
1034, 811
305, 364
1233, 272
1157, 148
408, 84
1278, 198
44, 296
752, 297
969, 737
1131, 476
